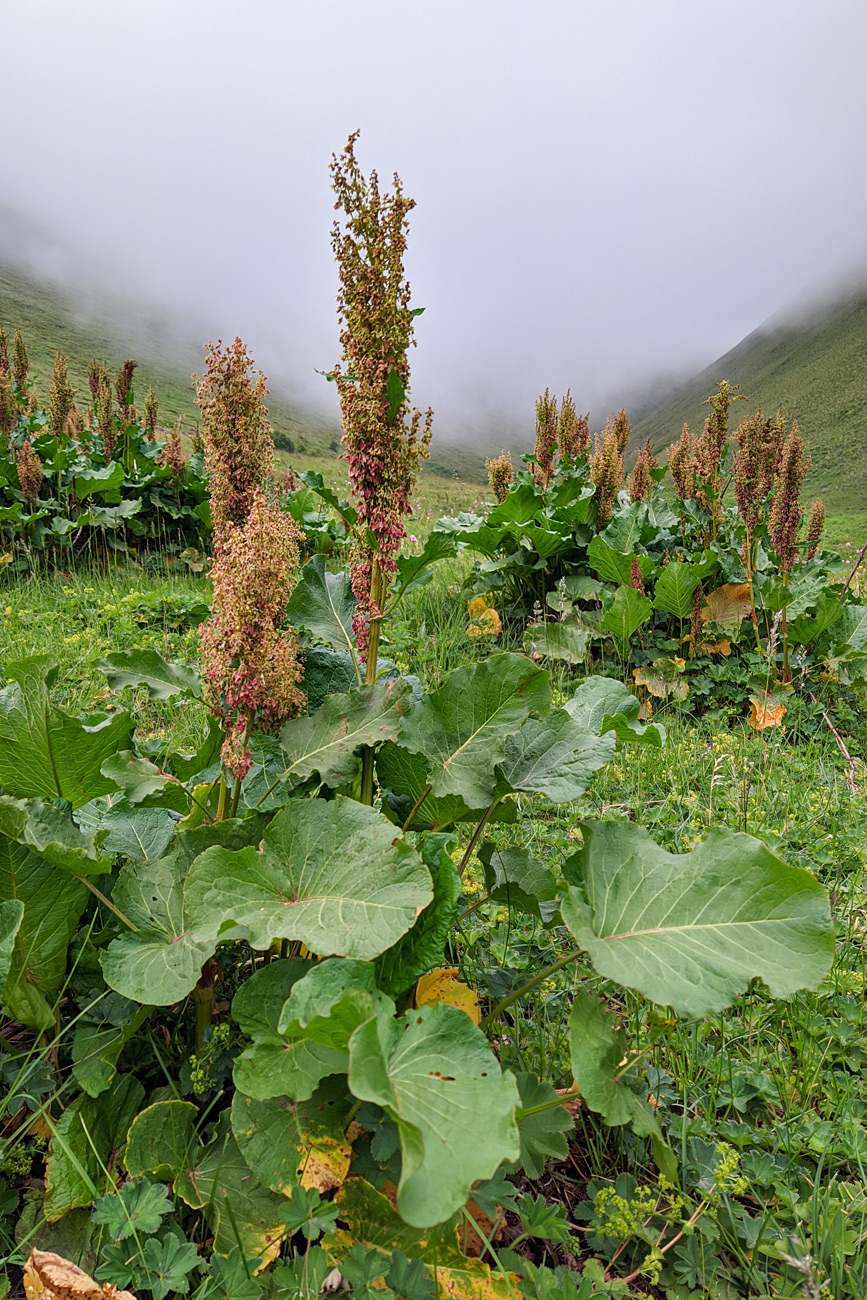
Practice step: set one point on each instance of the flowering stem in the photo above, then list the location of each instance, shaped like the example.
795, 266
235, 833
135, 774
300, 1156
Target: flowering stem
370, 672
223, 802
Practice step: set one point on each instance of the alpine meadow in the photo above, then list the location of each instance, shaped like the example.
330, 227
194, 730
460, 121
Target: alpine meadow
419, 886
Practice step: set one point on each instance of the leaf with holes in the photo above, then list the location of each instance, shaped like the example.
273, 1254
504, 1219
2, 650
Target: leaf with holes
331, 874
691, 930
461, 729
663, 678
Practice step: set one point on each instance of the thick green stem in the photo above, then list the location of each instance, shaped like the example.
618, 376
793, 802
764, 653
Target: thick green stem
526, 988
370, 674
476, 833
203, 1000
223, 802
784, 628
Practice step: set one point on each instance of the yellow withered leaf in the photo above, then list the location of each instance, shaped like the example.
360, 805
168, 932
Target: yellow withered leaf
662, 678
765, 711
444, 986
477, 606
728, 606
51, 1277
325, 1164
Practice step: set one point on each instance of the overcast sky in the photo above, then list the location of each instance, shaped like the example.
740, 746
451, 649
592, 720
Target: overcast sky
607, 190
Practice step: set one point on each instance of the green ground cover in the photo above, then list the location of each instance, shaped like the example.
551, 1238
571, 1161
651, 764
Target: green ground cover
774, 1089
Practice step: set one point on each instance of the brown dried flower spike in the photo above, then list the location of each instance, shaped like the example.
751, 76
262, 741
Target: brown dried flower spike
29, 472
500, 475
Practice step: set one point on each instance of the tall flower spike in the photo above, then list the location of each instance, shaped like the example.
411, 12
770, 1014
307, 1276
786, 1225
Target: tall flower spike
606, 472
784, 520
815, 527
123, 385
151, 411
4, 352
239, 450
622, 430
573, 430
105, 417
29, 472
8, 407
20, 361
95, 371
645, 461
546, 438
251, 666
172, 454
61, 397
384, 440
682, 466
500, 475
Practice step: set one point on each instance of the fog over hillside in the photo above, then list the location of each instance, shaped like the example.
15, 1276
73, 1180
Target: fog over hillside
608, 196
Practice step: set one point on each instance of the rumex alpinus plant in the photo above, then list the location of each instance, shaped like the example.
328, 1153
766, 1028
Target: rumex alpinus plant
501, 475
151, 412
784, 519
61, 397
20, 362
384, 439
606, 471
29, 472
252, 666
546, 438
573, 430
641, 481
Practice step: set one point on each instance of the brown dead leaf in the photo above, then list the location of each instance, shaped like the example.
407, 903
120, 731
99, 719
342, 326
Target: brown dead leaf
51, 1277
444, 986
728, 606
765, 712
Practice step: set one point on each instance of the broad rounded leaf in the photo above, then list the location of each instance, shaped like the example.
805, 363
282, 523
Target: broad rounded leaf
690, 930
555, 756
323, 603
602, 704
663, 678
461, 728
11, 912
332, 874
677, 584
84, 1146
728, 606
559, 640
422, 947
161, 1140
148, 668
626, 613
435, 1075
326, 741
287, 1142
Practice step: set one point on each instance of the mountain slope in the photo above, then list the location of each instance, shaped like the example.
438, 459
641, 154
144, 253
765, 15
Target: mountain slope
816, 369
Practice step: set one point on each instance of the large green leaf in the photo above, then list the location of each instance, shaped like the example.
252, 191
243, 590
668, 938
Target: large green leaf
51, 834
160, 962
44, 752
148, 668
143, 834
422, 947
213, 1177
274, 1066
515, 877
85, 1145
326, 742
435, 1075
806, 628
404, 776
677, 584
332, 874
626, 614
331, 1001
461, 728
555, 756
326, 672
541, 1131
323, 603
97, 1048
598, 1052
136, 776
691, 930
602, 705
851, 627
413, 571
104, 481
563, 639
286, 1142
53, 901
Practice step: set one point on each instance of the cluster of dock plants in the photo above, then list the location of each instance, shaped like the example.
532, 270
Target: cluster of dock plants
236, 1020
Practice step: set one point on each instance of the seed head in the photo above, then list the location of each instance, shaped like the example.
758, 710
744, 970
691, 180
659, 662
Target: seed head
546, 438
8, 407
237, 434
4, 352
573, 430
636, 581
645, 461
61, 396
501, 475
606, 472
123, 385
682, 466
20, 361
105, 417
622, 430
172, 454
29, 472
815, 527
784, 520
95, 372
151, 411
384, 440
251, 666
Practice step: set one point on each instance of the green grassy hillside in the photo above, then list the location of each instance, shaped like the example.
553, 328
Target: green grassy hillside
49, 318
816, 369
